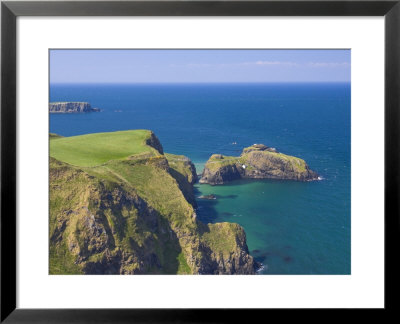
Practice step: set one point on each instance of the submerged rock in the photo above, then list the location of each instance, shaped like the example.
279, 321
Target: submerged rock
208, 197
256, 162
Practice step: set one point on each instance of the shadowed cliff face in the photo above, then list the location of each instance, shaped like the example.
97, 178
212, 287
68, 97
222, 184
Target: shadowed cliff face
134, 216
154, 143
256, 162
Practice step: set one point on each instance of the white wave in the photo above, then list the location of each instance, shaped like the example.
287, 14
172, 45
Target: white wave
262, 268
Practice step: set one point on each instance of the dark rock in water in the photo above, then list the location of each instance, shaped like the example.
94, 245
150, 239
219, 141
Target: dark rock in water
71, 107
208, 197
255, 251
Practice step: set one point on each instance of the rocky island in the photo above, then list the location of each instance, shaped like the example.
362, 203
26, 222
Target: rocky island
120, 205
71, 107
256, 162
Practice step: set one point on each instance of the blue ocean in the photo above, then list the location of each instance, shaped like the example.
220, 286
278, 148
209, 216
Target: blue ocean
291, 227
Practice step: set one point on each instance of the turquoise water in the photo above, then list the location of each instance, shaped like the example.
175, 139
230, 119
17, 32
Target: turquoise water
291, 227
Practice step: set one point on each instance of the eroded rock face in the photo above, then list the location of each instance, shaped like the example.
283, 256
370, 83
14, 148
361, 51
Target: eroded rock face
71, 107
256, 162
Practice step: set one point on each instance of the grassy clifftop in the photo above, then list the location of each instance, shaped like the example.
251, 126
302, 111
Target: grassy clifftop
96, 149
119, 205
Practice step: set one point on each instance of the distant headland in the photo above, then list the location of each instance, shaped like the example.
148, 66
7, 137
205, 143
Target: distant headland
71, 107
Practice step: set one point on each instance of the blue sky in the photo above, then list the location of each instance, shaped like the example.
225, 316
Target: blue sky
198, 66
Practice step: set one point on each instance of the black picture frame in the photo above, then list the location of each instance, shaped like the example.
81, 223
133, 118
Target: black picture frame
10, 10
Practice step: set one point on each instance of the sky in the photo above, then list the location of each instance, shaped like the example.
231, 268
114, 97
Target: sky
199, 66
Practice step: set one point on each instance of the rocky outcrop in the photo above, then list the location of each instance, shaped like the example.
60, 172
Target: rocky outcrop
256, 162
71, 107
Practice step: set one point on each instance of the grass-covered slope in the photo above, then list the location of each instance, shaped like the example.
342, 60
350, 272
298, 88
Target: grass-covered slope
130, 211
256, 162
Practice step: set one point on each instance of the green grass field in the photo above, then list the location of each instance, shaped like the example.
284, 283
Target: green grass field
95, 149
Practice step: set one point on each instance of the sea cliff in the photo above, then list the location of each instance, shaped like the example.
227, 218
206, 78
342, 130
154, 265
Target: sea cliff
256, 162
129, 209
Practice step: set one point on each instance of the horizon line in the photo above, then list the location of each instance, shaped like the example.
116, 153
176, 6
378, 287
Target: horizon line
201, 82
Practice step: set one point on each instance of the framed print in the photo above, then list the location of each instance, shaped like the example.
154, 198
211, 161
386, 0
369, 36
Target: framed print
225, 155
